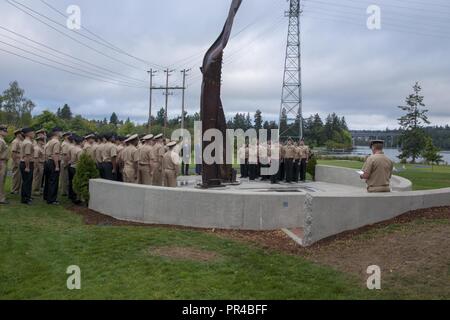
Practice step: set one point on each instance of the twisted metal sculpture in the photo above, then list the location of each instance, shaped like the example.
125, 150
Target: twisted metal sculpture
212, 113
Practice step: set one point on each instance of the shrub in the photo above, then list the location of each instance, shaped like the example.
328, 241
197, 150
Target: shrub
86, 170
311, 167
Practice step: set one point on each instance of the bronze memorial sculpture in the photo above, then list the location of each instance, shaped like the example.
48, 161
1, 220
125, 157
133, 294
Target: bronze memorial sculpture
212, 114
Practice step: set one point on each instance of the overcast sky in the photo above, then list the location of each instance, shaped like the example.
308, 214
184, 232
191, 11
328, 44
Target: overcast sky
347, 68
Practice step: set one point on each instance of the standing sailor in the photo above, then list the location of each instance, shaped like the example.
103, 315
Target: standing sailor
3, 162
15, 157
145, 153
378, 169
289, 160
171, 165
130, 157
39, 160
304, 158
75, 153
52, 167
27, 165
157, 156
64, 178
109, 157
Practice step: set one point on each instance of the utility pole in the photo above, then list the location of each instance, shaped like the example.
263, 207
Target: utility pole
291, 99
167, 72
184, 72
166, 91
149, 125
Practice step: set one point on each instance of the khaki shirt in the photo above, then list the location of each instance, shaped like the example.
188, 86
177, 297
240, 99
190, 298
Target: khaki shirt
130, 155
379, 168
39, 154
27, 149
75, 155
171, 161
145, 154
109, 151
3, 150
99, 153
89, 150
158, 152
289, 152
52, 148
303, 152
16, 146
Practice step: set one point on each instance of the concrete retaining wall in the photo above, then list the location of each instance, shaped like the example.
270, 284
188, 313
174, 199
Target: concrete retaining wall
330, 214
198, 208
349, 177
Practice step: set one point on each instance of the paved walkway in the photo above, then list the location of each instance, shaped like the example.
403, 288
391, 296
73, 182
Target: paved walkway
265, 186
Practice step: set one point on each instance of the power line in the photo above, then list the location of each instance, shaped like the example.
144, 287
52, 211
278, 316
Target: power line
340, 17
108, 44
89, 65
74, 39
63, 64
422, 15
64, 70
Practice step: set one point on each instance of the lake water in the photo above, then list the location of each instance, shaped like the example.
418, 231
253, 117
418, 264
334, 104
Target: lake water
391, 153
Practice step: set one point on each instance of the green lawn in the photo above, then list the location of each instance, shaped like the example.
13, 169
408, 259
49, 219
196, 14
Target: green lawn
38, 243
422, 177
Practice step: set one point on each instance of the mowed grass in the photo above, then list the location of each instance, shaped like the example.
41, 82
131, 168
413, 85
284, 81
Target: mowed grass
38, 243
422, 177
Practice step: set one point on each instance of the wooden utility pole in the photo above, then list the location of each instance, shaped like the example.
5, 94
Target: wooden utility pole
184, 72
149, 125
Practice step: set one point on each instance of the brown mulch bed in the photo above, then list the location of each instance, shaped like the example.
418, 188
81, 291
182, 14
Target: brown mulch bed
277, 240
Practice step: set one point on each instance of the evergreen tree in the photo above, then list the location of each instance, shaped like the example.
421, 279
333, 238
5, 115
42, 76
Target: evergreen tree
114, 119
413, 138
258, 120
86, 170
65, 113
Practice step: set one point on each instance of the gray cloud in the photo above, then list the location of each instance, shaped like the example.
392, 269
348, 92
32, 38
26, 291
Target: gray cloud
360, 74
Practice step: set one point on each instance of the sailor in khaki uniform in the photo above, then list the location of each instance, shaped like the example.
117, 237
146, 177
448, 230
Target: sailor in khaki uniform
304, 154
120, 147
130, 157
99, 155
88, 146
145, 153
27, 165
64, 174
157, 155
39, 160
378, 169
52, 167
109, 156
289, 154
171, 165
75, 153
15, 158
3, 163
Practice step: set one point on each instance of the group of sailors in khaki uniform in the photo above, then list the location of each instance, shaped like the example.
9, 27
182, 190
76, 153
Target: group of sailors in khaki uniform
292, 161
151, 160
35, 164
46, 165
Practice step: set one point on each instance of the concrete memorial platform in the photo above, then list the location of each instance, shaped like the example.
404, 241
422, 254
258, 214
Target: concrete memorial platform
308, 212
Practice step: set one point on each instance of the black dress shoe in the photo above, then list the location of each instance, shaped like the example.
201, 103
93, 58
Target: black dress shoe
4, 203
56, 203
28, 203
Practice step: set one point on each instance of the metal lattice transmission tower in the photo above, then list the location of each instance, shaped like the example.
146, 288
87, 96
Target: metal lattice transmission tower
291, 120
